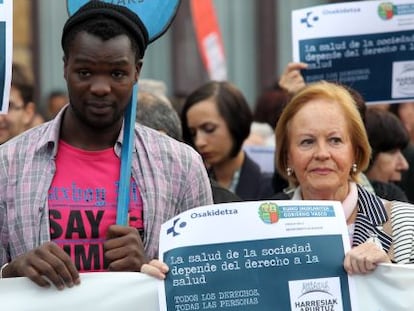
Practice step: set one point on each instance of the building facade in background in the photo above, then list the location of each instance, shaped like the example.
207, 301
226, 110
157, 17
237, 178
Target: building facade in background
256, 37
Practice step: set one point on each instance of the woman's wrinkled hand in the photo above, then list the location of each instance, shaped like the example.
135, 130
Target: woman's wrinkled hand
364, 258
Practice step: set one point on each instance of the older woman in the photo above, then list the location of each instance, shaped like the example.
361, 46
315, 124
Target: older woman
216, 120
322, 147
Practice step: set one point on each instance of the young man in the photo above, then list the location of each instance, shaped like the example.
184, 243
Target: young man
59, 181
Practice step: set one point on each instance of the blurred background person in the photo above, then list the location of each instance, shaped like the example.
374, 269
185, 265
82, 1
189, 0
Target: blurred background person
405, 112
21, 79
157, 87
22, 114
380, 106
260, 145
387, 137
155, 111
266, 112
216, 120
56, 100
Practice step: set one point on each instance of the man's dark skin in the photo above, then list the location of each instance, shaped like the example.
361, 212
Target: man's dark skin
100, 76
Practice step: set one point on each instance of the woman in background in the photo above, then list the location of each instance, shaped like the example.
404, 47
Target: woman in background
387, 137
405, 112
216, 120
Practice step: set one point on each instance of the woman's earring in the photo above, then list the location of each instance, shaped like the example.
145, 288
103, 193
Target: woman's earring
354, 168
289, 171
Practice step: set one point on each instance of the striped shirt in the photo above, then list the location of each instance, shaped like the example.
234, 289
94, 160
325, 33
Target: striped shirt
170, 175
370, 220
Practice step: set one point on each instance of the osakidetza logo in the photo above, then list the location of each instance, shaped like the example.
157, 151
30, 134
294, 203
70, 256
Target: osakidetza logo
179, 224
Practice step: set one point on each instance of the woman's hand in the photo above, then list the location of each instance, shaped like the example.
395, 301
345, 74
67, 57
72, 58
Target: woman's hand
155, 268
364, 258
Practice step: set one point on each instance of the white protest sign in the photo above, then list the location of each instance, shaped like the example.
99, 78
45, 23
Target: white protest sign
368, 45
299, 265
260, 255
104, 291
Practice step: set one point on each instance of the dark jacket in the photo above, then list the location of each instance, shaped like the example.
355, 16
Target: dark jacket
221, 194
253, 184
407, 180
389, 191
278, 182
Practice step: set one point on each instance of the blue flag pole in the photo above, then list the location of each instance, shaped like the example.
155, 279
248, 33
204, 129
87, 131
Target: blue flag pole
126, 160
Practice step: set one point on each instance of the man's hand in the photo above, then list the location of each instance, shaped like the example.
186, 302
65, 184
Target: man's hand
43, 265
364, 258
291, 79
124, 249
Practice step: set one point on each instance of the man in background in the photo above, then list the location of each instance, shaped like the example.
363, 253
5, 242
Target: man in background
155, 111
55, 101
22, 113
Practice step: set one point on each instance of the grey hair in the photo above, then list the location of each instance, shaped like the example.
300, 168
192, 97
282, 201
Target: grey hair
156, 112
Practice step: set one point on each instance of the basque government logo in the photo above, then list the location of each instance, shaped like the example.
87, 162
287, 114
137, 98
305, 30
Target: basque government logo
269, 213
386, 10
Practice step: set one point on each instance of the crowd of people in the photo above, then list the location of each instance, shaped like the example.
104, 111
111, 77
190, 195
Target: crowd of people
329, 146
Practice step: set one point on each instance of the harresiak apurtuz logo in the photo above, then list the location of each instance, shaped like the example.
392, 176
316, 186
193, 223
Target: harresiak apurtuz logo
403, 79
316, 294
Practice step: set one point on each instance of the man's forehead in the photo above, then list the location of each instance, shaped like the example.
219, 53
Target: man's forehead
87, 47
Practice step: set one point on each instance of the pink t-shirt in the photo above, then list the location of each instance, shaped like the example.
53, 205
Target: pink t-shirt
83, 202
